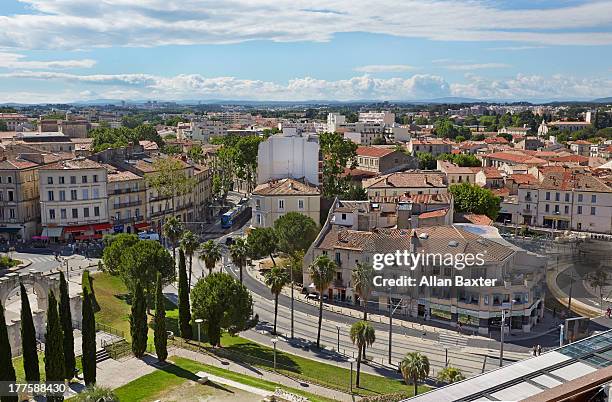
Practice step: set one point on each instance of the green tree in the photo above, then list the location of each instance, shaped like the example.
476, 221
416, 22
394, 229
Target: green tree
183, 299
414, 368
173, 230
426, 160
450, 375
263, 242
3, 126
322, 272
28, 339
141, 263
362, 335
444, 128
338, 153
210, 253
170, 179
354, 192
276, 279
66, 320
223, 303
463, 160
88, 328
474, 199
295, 231
239, 251
114, 246
7, 371
138, 322
190, 244
160, 335
54, 347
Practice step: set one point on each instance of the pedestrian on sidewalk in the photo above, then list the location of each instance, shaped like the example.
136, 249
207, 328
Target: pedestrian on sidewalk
608, 312
539, 350
535, 350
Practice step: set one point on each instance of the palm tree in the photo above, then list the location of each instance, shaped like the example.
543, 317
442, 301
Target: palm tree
173, 229
598, 279
210, 252
322, 271
414, 368
239, 251
190, 243
276, 279
362, 334
450, 375
363, 276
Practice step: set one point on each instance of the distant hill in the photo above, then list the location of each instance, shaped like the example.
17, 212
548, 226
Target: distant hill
603, 100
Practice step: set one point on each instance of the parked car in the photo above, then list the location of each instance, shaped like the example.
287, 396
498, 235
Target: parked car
148, 236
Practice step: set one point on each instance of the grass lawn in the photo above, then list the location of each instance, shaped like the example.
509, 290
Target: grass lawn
114, 300
20, 373
151, 386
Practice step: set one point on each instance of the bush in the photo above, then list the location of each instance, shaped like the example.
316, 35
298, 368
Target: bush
96, 394
397, 396
6, 262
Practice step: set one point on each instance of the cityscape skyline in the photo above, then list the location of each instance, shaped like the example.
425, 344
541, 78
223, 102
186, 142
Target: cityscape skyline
74, 50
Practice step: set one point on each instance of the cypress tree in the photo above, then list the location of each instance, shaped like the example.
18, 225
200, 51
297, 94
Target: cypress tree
7, 371
161, 336
138, 322
54, 347
66, 319
183, 299
28, 339
89, 340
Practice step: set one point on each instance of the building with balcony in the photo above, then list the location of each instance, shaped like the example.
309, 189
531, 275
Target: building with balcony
518, 274
272, 200
126, 200
19, 203
74, 200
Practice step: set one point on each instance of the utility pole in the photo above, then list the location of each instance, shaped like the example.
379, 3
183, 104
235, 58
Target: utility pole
291, 274
501, 344
390, 326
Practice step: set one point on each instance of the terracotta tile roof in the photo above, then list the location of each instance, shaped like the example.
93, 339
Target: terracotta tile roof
358, 173
501, 192
570, 159
492, 173
496, 140
434, 214
522, 178
116, 174
476, 219
515, 158
581, 142
286, 187
16, 164
431, 141
449, 167
77, 163
574, 181
407, 180
375, 152
149, 145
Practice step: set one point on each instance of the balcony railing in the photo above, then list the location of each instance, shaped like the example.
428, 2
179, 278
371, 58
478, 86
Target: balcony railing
128, 220
123, 190
160, 213
127, 204
338, 283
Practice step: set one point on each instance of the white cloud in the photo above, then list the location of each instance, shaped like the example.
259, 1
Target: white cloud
16, 61
475, 66
74, 24
528, 87
384, 68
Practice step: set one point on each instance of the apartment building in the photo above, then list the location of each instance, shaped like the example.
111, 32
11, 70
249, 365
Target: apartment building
384, 160
272, 200
518, 275
433, 146
13, 120
567, 200
74, 200
413, 182
202, 130
456, 174
514, 130
385, 117
19, 204
202, 193
289, 154
581, 147
499, 159
126, 200
365, 137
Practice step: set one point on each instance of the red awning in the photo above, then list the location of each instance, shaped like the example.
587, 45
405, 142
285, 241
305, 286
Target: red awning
88, 237
102, 226
78, 228
141, 225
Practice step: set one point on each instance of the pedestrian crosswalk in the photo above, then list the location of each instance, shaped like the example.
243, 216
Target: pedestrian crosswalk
450, 339
42, 258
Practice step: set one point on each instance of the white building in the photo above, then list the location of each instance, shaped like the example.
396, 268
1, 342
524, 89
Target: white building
201, 130
384, 117
334, 121
74, 199
289, 155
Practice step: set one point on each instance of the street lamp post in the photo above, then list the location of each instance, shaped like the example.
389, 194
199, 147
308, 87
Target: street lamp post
561, 327
274, 340
199, 322
390, 323
338, 328
351, 360
291, 274
501, 344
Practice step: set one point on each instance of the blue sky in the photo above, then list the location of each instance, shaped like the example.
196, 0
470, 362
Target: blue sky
69, 50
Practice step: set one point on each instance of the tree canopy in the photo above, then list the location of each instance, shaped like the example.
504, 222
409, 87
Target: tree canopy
463, 160
141, 263
474, 199
262, 242
223, 303
295, 231
338, 153
105, 137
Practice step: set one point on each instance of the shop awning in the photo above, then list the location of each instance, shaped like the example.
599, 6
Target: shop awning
51, 232
102, 226
9, 230
141, 225
88, 237
77, 228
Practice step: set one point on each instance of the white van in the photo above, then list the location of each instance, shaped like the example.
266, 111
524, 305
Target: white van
148, 236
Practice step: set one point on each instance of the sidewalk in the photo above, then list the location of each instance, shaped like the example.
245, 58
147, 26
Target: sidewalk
374, 315
256, 372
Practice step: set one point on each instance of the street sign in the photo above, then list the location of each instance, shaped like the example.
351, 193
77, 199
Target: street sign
118, 228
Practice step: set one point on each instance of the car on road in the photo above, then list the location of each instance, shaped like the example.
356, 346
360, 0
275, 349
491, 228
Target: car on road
148, 236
